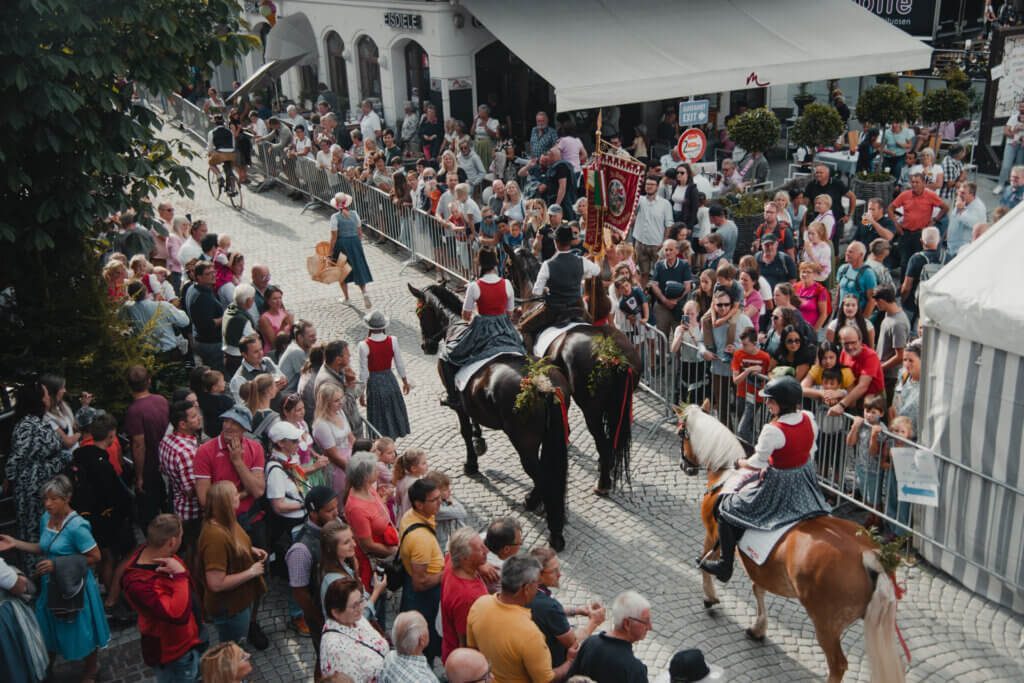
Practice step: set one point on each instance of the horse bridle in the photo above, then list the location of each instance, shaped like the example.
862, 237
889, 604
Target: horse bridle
688, 466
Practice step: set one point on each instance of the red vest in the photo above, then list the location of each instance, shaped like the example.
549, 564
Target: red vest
381, 354
797, 449
493, 298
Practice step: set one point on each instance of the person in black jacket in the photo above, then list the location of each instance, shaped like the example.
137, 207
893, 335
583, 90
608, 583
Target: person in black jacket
99, 494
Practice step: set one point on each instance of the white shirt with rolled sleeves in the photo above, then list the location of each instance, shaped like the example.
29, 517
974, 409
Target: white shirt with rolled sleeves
364, 356
590, 269
652, 218
473, 293
369, 125
772, 438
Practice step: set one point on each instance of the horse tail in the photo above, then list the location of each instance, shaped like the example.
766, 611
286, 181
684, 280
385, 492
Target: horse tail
618, 421
880, 624
555, 460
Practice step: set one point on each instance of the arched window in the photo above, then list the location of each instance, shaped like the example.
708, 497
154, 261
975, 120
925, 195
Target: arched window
369, 68
417, 74
337, 72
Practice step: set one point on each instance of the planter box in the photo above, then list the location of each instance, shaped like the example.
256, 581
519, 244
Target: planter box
869, 190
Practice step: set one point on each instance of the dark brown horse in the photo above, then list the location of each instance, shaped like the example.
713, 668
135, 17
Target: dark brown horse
489, 400
608, 407
823, 562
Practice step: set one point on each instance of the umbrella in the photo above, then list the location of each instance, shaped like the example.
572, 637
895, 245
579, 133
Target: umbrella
267, 73
292, 35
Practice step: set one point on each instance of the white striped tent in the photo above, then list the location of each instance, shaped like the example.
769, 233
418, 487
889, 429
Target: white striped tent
972, 414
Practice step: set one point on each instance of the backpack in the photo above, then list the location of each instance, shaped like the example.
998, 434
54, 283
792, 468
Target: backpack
393, 568
929, 269
278, 526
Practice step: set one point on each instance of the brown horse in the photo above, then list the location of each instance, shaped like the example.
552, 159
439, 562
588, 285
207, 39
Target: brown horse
538, 433
823, 562
607, 407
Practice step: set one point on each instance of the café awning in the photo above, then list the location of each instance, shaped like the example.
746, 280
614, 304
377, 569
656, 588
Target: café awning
605, 52
292, 36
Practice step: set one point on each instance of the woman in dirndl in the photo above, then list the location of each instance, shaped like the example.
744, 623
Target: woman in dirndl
385, 406
788, 488
347, 239
490, 331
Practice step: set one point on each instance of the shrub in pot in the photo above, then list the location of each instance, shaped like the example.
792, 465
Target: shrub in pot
944, 104
885, 104
747, 211
756, 130
819, 126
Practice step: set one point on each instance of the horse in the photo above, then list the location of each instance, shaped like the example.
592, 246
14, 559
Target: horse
489, 400
830, 565
608, 406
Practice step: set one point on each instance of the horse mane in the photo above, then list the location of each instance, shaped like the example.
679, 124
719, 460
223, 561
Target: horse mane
714, 446
444, 299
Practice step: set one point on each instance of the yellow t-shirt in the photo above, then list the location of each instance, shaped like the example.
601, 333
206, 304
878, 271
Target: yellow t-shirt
849, 379
420, 546
512, 643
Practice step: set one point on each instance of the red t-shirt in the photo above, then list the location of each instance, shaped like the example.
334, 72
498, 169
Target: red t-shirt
368, 519
213, 462
917, 209
457, 596
740, 360
865, 363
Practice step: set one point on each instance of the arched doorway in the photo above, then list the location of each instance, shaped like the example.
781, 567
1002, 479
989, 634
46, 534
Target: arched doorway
369, 68
513, 89
417, 74
337, 72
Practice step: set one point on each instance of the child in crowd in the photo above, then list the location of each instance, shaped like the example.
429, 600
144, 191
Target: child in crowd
624, 252
713, 252
451, 516
903, 427
634, 306
725, 278
749, 364
214, 401
221, 262
384, 449
162, 289
830, 435
818, 249
141, 269
686, 341
864, 433
409, 467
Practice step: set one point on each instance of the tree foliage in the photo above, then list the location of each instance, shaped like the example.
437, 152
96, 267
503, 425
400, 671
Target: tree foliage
944, 104
756, 130
885, 104
76, 146
818, 126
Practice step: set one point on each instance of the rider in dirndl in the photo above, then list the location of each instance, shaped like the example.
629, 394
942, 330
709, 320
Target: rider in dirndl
490, 331
788, 488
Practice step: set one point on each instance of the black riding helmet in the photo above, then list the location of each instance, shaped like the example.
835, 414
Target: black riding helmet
785, 391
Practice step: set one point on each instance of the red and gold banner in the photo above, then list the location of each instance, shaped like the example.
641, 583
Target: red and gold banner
621, 182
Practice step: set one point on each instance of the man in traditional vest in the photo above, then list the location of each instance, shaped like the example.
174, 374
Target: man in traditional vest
560, 282
303, 561
254, 363
220, 147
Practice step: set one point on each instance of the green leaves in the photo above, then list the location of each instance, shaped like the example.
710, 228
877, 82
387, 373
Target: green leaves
756, 130
885, 104
944, 104
819, 126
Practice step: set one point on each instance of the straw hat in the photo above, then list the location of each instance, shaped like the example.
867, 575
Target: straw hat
341, 201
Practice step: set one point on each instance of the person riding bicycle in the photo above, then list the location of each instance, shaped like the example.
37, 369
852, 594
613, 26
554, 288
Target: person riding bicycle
220, 148
490, 331
560, 281
787, 490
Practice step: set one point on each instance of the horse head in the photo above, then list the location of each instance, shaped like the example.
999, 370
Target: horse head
705, 442
433, 316
523, 269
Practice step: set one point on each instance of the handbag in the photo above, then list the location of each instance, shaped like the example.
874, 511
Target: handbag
393, 568
322, 268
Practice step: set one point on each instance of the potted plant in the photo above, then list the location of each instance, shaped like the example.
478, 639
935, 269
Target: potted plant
756, 130
879, 106
747, 211
802, 99
819, 126
944, 104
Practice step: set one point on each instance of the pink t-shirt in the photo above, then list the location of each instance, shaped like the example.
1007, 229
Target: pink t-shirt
570, 148
809, 298
368, 519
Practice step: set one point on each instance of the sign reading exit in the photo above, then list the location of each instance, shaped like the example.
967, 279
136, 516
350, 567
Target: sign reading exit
693, 113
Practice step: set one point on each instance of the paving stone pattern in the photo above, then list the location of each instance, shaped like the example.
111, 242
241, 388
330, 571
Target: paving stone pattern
644, 538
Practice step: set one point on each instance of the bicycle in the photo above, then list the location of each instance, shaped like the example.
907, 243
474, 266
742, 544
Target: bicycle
224, 182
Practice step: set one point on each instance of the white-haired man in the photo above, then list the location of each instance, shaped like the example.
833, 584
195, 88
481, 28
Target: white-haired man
920, 267
235, 325
607, 657
466, 665
406, 663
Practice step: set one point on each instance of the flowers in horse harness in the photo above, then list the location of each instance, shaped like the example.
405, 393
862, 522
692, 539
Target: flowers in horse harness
535, 383
420, 305
609, 359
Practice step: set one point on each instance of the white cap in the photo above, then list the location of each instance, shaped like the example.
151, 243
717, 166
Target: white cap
281, 430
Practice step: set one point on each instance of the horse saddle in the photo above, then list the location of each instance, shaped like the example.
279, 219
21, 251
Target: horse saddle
549, 334
758, 545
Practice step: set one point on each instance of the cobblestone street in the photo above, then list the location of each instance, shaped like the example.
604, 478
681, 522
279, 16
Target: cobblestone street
644, 538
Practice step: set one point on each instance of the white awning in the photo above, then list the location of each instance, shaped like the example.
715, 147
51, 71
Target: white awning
605, 52
292, 36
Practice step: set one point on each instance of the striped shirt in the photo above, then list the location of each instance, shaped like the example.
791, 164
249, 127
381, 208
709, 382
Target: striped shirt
177, 453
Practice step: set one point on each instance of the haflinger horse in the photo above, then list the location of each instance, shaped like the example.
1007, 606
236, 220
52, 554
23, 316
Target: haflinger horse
489, 399
823, 562
608, 408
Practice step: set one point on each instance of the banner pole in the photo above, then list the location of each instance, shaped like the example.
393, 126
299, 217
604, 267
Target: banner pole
598, 255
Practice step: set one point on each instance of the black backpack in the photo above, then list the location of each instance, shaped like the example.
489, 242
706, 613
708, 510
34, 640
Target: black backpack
393, 568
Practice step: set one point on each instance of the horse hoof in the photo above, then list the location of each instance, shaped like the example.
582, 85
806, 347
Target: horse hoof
557, 542
708, 604
533, 501
753, 636
470, 470
603, 493
480, 446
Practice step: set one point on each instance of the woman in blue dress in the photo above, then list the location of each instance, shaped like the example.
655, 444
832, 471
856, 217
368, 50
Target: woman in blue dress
69, 551
347, 239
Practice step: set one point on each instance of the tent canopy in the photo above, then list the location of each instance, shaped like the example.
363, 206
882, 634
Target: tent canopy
605, 52
292, 36
978, 295
267, 73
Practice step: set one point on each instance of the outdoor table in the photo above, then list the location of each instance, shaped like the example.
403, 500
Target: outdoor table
843, 161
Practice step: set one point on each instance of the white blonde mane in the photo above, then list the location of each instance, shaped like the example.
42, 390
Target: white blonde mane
714, 446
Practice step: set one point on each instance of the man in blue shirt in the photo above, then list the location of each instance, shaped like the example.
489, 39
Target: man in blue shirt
856, 278
543, 137
967, 212
1015, 191
670, 284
